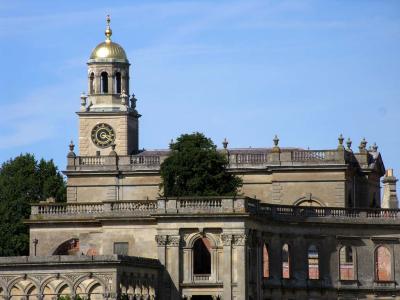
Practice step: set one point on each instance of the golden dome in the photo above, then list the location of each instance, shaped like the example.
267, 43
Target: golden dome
108, 49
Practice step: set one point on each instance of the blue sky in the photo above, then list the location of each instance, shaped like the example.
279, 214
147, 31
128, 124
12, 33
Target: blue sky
245, 70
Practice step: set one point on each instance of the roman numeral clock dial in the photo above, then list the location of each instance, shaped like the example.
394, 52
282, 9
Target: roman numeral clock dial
103, 135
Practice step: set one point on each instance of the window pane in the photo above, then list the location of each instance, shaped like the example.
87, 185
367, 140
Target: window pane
313, 262
265, 262
285, 261
383, 264
346, 263
121, 248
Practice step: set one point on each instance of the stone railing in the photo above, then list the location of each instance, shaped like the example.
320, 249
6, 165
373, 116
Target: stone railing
237, 159
123, 162
121, 208
201, 277
91, 160
206, 205
149, 160
311, 155
134, 206
323, 212
67, 209
249, 158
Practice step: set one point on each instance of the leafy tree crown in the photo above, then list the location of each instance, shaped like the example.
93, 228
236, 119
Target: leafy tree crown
195, 168
24, 180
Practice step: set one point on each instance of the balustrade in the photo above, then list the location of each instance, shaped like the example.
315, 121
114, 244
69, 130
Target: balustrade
135, 206
70, 209
254, 158
308, 155
209, 205
201, 277
200, 203
250, 158
147, 160
91, 160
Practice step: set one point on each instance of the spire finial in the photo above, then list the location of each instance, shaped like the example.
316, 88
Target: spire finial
108, 31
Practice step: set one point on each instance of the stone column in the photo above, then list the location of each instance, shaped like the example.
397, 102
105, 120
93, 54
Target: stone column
227, 265
259, 266
110, 83
173, 260
298, 252
240, 244
389, 190
164, 282
275, 259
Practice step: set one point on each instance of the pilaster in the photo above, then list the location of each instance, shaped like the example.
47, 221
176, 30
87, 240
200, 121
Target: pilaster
227, 265
240, 246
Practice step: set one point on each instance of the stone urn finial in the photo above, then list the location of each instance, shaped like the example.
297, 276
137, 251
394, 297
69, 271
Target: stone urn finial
225, 143
363, 145
348, 144
71, 149
83, 101
276, 144
133, 101
374, 147
276, 140
340, 139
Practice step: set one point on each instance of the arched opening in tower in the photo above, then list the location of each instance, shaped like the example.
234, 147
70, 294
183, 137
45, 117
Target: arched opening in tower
91, 84
118, 83
104, 82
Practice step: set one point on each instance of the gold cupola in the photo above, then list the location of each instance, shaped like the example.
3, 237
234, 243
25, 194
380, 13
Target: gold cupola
108, 51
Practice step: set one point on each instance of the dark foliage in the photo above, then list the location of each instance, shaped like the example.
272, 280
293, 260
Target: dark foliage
196, 168
23, 180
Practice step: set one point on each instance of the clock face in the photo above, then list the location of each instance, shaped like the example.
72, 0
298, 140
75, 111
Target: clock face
103, 135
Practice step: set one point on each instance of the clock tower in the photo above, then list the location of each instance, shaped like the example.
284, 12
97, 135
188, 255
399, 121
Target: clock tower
108, 118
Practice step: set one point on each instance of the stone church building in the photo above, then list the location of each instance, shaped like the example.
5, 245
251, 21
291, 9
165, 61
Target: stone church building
308, 224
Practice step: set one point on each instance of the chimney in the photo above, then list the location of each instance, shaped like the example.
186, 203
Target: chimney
389, 190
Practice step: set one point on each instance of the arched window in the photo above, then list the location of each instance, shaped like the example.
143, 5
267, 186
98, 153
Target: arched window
104, 82
201, 256
118, 83
346, 263
91, 83
308, 202
285, 261
265, 261
383, 264
70, 247
313, 262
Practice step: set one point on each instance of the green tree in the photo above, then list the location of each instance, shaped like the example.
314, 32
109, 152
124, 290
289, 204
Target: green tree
24, 180
195, 168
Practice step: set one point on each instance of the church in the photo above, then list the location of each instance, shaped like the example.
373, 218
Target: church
308, 224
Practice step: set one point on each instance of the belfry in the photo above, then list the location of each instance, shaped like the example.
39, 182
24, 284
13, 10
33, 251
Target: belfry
108, 118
